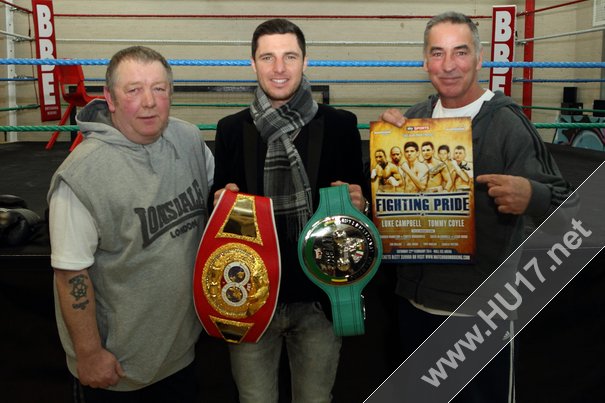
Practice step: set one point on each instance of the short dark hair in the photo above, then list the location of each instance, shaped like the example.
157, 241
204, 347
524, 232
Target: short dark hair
411, 144
428, 143
137, 53
278, 26
444, 147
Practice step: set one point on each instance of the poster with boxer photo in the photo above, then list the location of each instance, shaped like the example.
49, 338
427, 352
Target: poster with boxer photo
422, 190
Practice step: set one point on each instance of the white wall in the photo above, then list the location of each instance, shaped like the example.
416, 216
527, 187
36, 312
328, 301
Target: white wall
87, 38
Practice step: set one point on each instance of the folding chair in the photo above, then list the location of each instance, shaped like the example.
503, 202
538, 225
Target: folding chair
70, 76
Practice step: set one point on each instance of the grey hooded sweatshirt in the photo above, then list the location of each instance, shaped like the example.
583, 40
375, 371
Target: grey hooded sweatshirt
149, 207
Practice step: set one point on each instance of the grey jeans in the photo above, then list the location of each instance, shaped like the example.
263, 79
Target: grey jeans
313, 353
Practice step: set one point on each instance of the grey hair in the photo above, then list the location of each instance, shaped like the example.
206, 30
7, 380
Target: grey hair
139, 54
453, 17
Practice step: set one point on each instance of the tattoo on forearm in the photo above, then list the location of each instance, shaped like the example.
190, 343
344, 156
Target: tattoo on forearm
79, 290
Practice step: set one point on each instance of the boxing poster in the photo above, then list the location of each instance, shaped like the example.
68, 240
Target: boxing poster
422, 190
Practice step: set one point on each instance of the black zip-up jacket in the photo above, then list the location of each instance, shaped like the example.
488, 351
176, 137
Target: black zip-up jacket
504, 142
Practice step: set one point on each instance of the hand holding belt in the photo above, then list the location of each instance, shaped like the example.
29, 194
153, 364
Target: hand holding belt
340, 250
237, 270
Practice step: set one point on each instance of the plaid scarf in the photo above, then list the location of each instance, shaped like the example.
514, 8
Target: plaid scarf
285, 178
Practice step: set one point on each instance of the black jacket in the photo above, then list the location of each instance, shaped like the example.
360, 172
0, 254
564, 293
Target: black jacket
330, 148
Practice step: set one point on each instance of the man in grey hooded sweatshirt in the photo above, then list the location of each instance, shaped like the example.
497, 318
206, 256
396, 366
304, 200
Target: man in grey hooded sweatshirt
127, 211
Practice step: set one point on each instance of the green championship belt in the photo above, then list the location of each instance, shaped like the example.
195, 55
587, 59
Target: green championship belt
340, 250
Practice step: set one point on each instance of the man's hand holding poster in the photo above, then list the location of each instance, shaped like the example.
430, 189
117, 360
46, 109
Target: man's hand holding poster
422, 190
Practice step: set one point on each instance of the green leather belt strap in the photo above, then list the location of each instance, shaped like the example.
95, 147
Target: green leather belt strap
340, 250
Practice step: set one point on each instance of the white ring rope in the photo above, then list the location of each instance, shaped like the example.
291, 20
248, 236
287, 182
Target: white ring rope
23, 37
311, 43
539, 38
241, 42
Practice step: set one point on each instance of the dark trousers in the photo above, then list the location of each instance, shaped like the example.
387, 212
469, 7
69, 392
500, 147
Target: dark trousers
180, 387
494, 384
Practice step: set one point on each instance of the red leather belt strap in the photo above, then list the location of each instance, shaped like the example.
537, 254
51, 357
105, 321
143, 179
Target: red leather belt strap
237, 270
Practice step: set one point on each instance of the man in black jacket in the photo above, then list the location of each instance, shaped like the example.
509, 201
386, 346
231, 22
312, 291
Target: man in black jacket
287, 147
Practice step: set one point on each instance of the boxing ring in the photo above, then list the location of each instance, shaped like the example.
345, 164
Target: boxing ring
351, 67
363, 86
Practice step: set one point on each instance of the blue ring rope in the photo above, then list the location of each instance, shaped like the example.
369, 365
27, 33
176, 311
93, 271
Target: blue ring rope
315, 63
320, 81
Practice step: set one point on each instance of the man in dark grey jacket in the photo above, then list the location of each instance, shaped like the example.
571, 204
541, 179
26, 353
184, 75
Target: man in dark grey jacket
515, 179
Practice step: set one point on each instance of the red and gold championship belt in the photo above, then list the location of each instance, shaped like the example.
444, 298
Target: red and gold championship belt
237, 269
